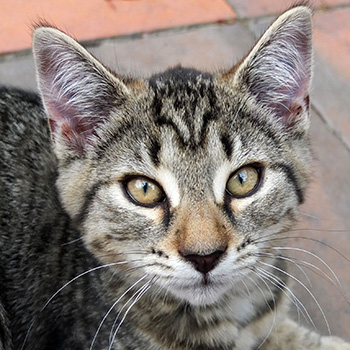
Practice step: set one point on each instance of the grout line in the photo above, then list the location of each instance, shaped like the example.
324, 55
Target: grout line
330, 127
136, 35
232, 7
94, 42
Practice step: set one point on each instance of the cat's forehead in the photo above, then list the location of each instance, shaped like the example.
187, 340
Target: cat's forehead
186, 121
180, 75
184, 100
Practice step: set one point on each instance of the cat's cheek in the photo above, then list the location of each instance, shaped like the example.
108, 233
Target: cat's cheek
71, 185
102, 232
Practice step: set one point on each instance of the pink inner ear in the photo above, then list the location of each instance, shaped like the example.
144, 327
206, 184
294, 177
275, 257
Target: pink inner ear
289, 110
78, 92
66, 124
279, 72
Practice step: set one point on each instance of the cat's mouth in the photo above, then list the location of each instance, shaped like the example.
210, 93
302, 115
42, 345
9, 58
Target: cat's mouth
204, 291
206, 282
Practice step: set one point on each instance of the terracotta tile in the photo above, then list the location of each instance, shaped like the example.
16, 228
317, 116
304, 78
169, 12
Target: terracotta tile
88, 20
332, 38
332, 69
254, 8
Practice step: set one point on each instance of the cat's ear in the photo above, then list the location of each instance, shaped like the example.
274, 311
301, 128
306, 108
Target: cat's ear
277, 71
78, 92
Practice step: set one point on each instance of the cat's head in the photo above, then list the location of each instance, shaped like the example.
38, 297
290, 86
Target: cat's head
187, 175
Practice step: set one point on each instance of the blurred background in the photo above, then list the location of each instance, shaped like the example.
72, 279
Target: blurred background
141, 37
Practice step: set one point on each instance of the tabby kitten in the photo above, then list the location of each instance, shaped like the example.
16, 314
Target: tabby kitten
148, 222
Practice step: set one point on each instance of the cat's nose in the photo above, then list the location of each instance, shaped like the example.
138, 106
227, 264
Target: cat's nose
204, 263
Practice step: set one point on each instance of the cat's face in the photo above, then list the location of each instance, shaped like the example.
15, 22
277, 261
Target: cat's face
184, 178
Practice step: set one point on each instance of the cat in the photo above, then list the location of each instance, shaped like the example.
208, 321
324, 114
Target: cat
145, 213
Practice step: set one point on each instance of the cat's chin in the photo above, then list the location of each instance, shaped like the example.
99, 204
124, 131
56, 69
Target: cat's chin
200, 295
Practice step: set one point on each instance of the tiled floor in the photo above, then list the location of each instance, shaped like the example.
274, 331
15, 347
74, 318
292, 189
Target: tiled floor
211, 34
89, 20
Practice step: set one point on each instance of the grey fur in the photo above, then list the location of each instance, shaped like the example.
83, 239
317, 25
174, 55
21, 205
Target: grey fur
77, 252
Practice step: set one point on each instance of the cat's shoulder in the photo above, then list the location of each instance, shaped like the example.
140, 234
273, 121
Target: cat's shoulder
20, 111
11, 97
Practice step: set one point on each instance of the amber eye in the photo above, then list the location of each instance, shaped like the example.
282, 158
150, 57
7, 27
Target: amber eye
144, 191
243, 181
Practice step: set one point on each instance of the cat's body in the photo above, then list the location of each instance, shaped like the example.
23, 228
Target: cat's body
157, 235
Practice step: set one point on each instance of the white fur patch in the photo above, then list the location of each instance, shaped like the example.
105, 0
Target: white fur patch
170, 186
220, 178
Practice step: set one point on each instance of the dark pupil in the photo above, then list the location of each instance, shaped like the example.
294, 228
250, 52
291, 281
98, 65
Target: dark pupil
145, 187
242, 177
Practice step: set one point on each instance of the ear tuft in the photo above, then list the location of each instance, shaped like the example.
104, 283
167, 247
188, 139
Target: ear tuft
277, 72
78, 92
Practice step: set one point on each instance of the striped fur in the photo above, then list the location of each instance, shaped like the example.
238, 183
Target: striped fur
87, 267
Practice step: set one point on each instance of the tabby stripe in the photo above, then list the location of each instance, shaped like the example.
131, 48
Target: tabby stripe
227, 145
154, 151
207, 118
89, 197
162, 121
114, 135
289, 172
262, 127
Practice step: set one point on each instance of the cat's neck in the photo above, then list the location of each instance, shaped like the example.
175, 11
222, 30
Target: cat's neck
210, 327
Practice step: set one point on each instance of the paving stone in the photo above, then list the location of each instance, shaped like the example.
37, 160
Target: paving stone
207, 48
89, 20
18, 71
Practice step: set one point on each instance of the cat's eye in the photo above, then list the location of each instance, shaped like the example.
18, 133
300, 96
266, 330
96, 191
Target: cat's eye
244, 181
144, 191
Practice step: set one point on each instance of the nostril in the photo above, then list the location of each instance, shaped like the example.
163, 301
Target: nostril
204, 263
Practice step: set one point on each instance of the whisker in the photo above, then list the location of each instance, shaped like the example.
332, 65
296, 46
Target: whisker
306, 288
120, 311
249, 295
309, 239
111, 308
66, 285
72, 242
138, 295
319, 272
83, 274
313, 255
284, 258
60, 290
300, 263
156, 293
261, 291
292, 297
267, 303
